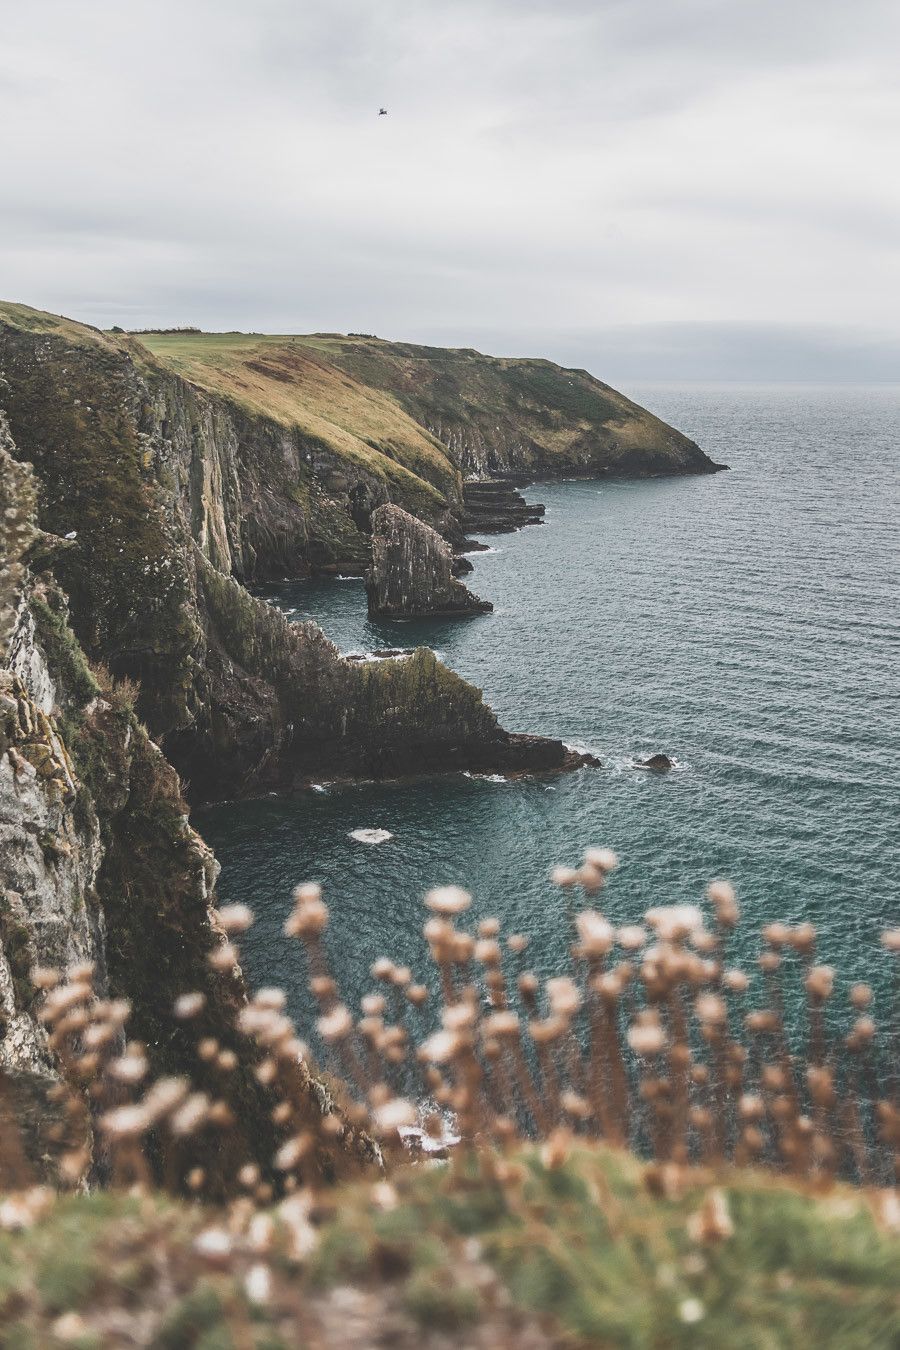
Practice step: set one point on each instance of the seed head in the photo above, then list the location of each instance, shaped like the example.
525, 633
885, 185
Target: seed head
604, 859
190, 1115
647, 1040
564, 996
82, 971
720, 893
632, 937
125, 1122
308, 921
335, 1025
710, 1008
439, 1048
274, 999
448, 900
189, 1005
487, 952
673, 923
557, 1150
595, 934
223, 957
236, 918
712, 1222
820, 982
395, 1114
44, 977
129, 1068
501, 1024
307, 893
164, 1096
544, 1031
803, 938
459, 1017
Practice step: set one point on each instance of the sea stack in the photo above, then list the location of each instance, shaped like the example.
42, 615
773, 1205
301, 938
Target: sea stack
411, 575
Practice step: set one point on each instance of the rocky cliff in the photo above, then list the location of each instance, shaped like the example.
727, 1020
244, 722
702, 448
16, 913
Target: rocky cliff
411, 575
99, 865
173, 495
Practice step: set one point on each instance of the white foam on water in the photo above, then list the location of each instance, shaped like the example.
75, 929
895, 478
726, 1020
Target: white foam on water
318, 787
486, 777
371, 836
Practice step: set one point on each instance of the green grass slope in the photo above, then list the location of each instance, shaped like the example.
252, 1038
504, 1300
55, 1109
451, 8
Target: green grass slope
432, 410
415, 417
500, 413
577, 1253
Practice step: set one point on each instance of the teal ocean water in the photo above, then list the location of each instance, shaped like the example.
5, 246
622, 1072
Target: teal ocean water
745, 623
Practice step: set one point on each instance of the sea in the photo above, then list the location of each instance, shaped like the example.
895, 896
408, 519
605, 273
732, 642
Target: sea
746, 624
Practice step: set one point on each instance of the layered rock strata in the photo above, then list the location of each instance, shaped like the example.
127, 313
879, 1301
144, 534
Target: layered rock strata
495, 506
411, 575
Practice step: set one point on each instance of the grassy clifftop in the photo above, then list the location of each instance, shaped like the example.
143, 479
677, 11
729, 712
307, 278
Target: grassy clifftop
504, 413
433, 410
412, 418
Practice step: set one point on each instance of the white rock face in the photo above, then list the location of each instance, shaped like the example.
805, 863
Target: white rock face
49, 852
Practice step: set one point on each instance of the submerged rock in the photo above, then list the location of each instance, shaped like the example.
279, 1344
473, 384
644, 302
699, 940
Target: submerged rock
412, 571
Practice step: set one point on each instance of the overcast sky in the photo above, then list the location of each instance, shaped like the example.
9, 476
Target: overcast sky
650, 188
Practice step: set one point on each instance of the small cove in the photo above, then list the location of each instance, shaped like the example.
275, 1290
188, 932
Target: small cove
745, 623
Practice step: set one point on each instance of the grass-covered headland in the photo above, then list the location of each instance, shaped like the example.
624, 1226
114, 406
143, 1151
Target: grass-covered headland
632, 1154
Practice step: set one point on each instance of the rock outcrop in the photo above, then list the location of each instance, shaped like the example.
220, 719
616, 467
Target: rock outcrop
411, 575
495, 506
656, 764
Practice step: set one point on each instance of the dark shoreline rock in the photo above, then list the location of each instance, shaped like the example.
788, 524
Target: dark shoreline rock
656, 764
495, 506
412, 571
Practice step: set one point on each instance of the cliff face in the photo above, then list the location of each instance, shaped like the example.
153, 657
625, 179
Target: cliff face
171, 493
99, 864
412, 571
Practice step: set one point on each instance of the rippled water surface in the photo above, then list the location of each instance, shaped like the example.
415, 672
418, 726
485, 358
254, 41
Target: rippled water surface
745, 623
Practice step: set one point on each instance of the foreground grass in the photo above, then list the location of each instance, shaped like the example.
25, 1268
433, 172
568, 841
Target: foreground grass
594, 1251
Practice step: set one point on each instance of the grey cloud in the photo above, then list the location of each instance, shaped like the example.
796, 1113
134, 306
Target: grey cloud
591, 176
